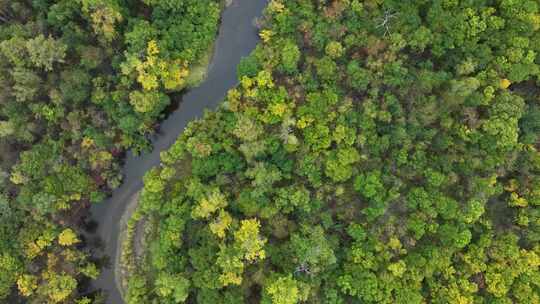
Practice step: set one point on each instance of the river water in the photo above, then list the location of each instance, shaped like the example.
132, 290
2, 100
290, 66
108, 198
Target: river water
237, 38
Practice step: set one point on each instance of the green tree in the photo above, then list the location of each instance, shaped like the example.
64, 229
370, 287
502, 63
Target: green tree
45, 52
173, 287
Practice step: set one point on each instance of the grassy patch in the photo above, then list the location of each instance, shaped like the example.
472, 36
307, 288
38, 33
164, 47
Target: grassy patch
199, 71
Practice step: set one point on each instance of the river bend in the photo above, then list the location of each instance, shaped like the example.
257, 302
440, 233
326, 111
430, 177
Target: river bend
237, 38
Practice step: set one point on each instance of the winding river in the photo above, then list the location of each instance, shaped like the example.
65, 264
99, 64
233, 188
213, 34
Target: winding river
237, 38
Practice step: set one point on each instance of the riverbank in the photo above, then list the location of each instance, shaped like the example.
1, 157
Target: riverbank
125, 237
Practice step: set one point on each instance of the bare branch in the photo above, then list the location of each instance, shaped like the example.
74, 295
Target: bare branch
385, 21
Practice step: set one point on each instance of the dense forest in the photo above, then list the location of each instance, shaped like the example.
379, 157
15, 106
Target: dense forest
82, 82
373, 151
376, 151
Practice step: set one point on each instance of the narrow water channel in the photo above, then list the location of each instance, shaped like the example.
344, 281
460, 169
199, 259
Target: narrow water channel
237, 38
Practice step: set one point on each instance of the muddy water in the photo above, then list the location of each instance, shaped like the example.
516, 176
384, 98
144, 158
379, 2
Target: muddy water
237, 38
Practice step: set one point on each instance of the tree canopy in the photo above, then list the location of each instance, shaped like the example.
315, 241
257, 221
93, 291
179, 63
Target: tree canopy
82, 81
372, 152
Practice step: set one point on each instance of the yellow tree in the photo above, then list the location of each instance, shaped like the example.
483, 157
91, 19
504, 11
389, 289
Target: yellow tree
249, 240
67, 238
209, 204
220, 225
27, 284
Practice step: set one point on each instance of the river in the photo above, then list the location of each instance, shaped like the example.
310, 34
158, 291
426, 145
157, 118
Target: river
237, 38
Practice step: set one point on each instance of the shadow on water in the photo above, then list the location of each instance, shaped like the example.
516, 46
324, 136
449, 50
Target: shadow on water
237, 38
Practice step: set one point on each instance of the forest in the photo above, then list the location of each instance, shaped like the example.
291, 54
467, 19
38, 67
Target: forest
82, 81
374, 151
